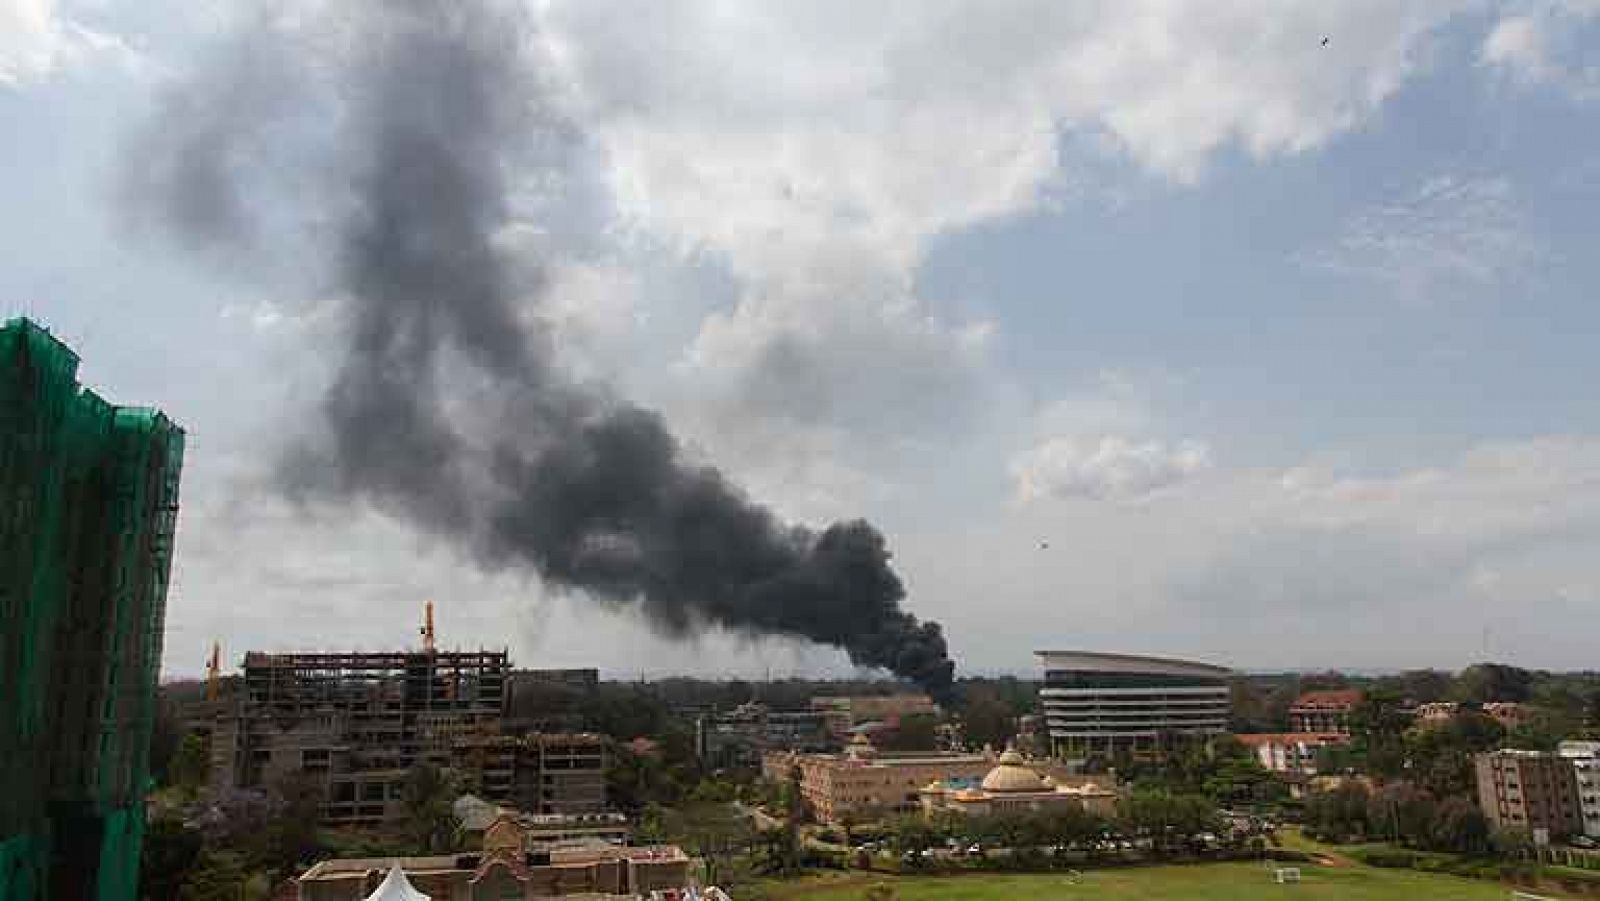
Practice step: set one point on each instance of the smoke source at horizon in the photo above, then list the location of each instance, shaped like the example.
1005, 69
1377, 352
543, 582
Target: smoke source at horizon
446, 408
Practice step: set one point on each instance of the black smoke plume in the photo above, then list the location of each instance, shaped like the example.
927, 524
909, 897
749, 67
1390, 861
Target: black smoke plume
446, 407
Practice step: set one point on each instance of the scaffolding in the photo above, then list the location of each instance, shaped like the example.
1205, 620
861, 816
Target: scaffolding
356, 722
88, 508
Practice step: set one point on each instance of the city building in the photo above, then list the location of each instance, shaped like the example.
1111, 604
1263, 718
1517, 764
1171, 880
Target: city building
1532, 790
1511, 715
504, 871
88, 506
1291, 752
738, 739
540, 829
357, 722
843, 714
1434, 713
1324, 711
864, 783
1585, 759
540, 773
1012, 785
1109, 706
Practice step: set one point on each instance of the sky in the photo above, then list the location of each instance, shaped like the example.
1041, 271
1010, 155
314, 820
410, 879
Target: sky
1258, 333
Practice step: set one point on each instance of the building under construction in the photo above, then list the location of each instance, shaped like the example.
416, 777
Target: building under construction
358, 723
88, 503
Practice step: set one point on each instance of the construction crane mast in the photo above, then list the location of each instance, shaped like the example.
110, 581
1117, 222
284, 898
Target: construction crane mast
214, 672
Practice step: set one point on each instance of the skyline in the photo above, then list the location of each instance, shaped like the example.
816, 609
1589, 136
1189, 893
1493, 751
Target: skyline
1138, 328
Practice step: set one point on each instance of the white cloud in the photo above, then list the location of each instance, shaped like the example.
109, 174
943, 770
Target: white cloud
1451, 234
1110, 467
1303, 567
815, 149
1518, 43
1534, 43
37, 39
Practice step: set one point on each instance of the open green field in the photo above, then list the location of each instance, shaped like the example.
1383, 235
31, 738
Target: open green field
1205, 882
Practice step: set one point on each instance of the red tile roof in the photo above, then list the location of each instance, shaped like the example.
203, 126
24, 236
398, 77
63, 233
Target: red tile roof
1339, 698
1254, 739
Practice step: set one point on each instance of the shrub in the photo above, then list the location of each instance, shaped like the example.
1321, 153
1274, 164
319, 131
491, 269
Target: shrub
1389, 858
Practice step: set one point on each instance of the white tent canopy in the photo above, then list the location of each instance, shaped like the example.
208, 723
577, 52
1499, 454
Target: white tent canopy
396, 887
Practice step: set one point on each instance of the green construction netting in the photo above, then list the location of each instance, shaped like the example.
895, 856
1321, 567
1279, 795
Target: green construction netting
88, 507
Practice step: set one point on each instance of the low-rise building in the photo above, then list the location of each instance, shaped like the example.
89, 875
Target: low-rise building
543, 773
1291, 752
863, 782
1532, 790
540, 829
1012, 785
1324, 711
1585, 759
1509, 714
739, 739
501, 872
1434, 713
842, 714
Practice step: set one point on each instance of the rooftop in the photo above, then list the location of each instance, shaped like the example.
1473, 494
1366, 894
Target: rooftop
1252, 739
1127, 663
1337, 698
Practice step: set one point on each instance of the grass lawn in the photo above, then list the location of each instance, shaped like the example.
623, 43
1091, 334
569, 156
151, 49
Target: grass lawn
1202, 882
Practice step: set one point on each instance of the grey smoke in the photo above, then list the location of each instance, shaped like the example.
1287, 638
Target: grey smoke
446, 408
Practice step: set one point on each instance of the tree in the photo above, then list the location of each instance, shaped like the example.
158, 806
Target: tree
290, 837
1545, 729
848, 821
912, 834
1167, 819
428, 796
165, 736
1071, 825
1340, 814
170, 851
190, 765
1403, 812
652, 828
915, 732
986, 720
1485, 682
714, 831
1441, 757
1419, 686
1459, 826
233, 818
1511, 843
1377, 728
1233, 775
215, 877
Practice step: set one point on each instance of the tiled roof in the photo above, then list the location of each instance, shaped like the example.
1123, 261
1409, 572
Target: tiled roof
1253, 739
1334, 698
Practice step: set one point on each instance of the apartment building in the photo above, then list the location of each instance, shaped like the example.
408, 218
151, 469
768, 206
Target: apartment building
1324, 711
541, 773
1532, 790
1585, 758
1291, 752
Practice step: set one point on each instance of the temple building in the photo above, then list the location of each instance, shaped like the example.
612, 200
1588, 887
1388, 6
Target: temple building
1013, 785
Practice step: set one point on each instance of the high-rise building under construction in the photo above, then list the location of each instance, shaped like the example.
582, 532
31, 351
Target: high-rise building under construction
88, 503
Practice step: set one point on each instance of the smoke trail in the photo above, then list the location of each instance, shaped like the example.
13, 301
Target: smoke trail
531, 469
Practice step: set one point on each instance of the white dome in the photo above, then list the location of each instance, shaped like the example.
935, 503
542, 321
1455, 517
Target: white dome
1013, 776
